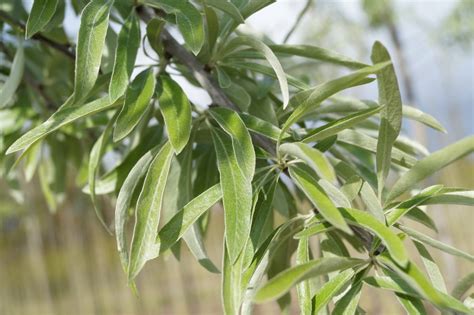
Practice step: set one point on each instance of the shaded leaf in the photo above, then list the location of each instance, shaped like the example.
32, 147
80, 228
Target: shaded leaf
10, 86
137, 99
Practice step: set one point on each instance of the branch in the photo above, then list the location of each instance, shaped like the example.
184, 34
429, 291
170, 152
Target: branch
65, 49
206, 81
218, 96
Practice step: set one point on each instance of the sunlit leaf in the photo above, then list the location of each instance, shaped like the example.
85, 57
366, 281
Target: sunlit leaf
391, 115
125, 55
176, 111
430, 165
91, 39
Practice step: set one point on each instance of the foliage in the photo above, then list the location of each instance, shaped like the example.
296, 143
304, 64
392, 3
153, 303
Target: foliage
292, 163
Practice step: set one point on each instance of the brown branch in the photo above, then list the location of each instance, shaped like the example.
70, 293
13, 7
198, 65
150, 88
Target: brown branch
65, 49
206, 81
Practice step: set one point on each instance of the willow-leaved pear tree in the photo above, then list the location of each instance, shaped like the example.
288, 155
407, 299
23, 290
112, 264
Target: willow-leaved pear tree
293, 165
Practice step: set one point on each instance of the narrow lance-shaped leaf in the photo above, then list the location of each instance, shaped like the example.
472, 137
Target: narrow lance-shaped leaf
417, 280
95, 156
260, 126
391, 115
148, 211
176, 110
303, 289
312, 157
305, 101
65, 115
125, 55
175, 228
308, 184
430, 165
390, 239
137, 99
231, 283
90, 42
153, 33
463, 286
241, 141
425, 239
331, 288
283, 282
188, 19
124, 200
431, 267
317, 53
272, 60
461, 197
14, 79
416, 114
41, 13
227, 7
336, 126
237, 194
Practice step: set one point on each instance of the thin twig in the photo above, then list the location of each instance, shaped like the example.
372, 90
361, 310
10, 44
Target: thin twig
65, 49
305, 9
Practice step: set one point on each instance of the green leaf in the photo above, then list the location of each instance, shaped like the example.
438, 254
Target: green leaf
390, 239
431, 267
336, 126
137, 99
260, 126
41, 13
463, 286
308, 184
177, 226
153, 33
416, 280
430, 165
124, 201
65, 115
463, 197
391, 115
347, 305
231, 283
125, 55
176, 111
227, 7
14, 79
410, 204
425, 239
331, 288
317, 53
318, 228
188, 19
312, 157
412, 305
305, 101
95, 156
303, 289
90, 42
272, 60
233, 125
283, 282
148, 209
418, 115
237, 193
368, 143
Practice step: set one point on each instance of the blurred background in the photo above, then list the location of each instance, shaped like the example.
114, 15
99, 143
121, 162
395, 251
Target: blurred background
65, 263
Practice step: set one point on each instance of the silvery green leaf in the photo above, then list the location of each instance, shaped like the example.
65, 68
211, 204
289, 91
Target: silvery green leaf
429, 165
41, 13
10, 86
137, 99
176, 111
90, 42
125, 55
391, 115
148, 209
